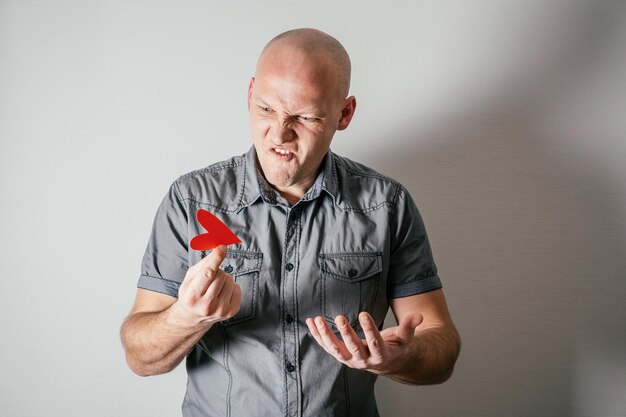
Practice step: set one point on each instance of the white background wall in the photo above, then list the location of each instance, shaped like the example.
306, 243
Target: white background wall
505, 119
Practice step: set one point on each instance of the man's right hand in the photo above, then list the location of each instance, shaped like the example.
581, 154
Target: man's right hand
207, 294
161, 330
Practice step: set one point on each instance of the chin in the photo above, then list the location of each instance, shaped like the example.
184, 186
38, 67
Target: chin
280, 177
280, 182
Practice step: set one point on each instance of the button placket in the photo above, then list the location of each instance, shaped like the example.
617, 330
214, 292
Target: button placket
289, 296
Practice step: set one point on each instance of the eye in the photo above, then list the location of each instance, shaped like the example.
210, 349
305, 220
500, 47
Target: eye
264, 109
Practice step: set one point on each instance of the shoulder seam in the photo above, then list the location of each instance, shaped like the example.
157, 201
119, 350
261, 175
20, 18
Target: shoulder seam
219, 166
179, 194
394, 203
340, 161
203, 203
232, 164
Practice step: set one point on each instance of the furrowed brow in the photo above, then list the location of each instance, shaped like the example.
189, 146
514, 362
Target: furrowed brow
312, 111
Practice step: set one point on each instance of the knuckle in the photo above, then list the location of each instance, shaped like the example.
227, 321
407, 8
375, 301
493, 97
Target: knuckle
193, 295
228, 282
208, 271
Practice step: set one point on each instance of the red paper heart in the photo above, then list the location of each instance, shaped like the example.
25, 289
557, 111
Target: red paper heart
217, 233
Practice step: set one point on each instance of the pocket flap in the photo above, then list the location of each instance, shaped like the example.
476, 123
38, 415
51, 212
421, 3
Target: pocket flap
351, 266
238, 262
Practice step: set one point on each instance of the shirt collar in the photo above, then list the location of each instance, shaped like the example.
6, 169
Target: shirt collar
256, 186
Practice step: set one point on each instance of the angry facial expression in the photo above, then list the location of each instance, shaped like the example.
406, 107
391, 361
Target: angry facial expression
294, 113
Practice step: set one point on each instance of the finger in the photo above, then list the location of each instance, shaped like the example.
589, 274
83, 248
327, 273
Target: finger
333, 345
374, 339
208, 268
351, 340
214, 260
406, 329
215, 286
315, 333
216, 256
227, 289
235, 300
222, 299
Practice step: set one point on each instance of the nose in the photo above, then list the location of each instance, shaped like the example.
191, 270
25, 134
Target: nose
281, 131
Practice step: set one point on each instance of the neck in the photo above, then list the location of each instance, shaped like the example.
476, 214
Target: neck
294, 193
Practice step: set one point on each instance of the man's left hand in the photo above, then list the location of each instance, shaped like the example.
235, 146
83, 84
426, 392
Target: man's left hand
376, 353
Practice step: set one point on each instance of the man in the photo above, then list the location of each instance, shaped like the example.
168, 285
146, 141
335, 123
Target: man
289, 325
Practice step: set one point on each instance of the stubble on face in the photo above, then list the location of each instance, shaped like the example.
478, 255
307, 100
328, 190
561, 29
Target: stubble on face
292, 84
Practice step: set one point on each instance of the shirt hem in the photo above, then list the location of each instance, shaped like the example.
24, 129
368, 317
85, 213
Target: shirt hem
157, 284
416, 287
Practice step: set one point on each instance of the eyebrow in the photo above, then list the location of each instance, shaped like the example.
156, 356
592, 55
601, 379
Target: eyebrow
259, 100
313, 111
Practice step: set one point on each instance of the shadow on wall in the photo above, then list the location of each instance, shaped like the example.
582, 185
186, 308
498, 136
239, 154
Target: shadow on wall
529, 235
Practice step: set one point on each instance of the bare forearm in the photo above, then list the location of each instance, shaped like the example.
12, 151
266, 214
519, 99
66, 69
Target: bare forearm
431, 357
156, 342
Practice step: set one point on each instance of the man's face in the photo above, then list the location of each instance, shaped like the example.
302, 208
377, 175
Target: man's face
294, 113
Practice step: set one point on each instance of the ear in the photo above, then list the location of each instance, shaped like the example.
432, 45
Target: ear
347, 111
250, 87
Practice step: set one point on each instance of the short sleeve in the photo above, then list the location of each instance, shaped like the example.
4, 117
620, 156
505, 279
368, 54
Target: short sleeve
412, 269
165, 261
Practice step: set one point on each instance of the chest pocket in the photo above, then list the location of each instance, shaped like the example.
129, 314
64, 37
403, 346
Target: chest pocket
350, 282
245, 267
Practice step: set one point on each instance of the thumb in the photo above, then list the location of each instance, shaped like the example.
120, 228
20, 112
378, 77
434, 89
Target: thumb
406, 329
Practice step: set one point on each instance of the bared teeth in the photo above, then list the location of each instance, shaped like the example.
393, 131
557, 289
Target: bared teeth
282, 151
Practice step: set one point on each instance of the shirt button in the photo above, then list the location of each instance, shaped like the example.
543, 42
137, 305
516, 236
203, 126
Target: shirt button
228, 269
353, 273
289, 318
290, 367
289, 266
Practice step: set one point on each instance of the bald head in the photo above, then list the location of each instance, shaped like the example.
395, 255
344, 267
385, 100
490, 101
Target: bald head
320, 49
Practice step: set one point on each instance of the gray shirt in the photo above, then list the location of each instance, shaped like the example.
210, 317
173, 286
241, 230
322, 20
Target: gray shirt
354, 240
